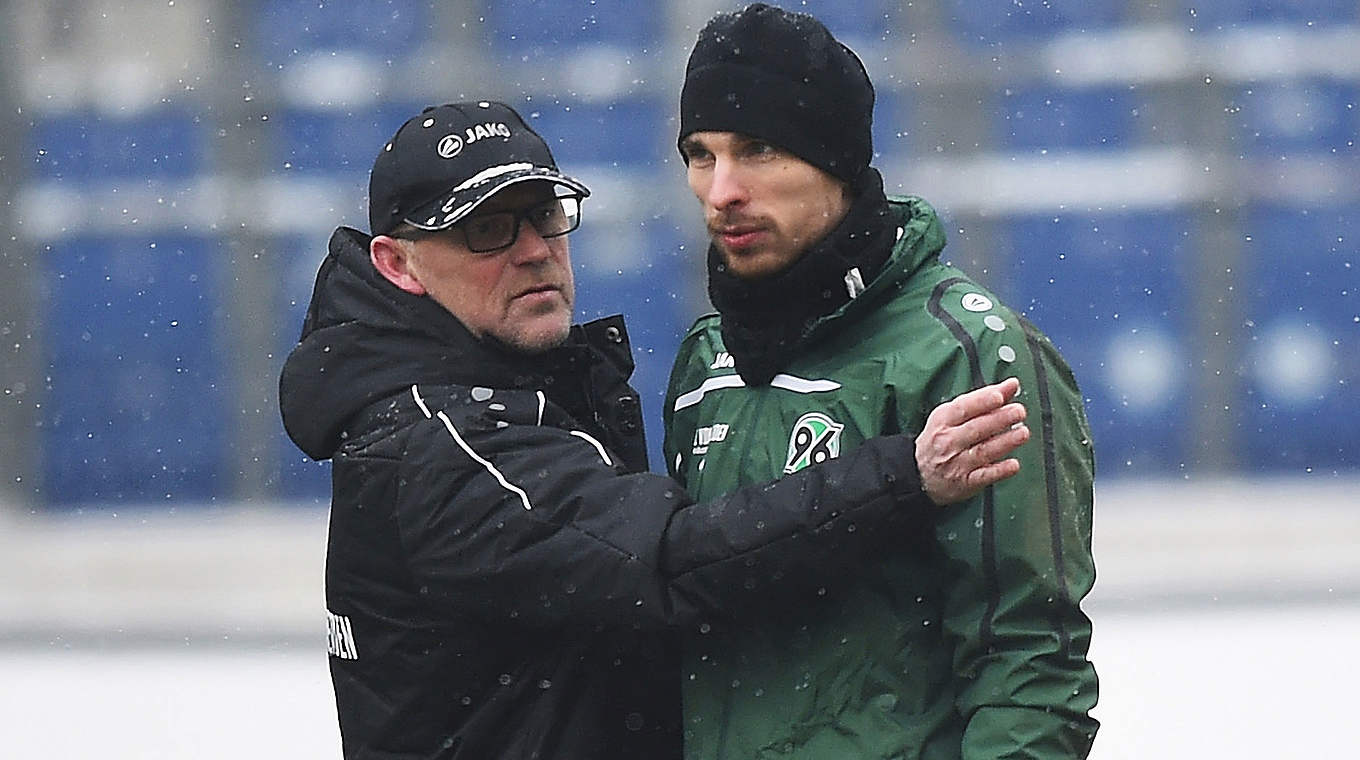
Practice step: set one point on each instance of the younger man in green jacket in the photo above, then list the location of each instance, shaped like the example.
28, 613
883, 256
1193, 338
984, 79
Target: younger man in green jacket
836, 323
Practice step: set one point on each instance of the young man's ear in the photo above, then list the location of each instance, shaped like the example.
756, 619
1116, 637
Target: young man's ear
391, 257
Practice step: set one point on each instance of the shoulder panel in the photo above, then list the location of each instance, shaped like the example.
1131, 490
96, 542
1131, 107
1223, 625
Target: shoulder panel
991, 334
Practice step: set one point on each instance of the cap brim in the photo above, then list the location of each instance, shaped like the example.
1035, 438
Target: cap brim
453, 206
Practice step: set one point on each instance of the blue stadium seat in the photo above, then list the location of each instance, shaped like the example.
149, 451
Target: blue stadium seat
1301, 362
642, 270
984, 22
299, 478
136, 408
1111, 292
165, 143
340, 141
536, 29
386, 28
1306, 115
624, 132
894, 130
1212, 14
301, 481
1056, 118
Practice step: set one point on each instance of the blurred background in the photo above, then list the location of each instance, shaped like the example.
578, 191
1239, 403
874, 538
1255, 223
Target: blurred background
1168, 188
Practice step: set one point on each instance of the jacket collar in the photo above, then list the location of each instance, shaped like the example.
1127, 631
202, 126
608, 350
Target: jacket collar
920, 240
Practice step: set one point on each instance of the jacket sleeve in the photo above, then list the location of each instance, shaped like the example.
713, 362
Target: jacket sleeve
508, 517
1020, 562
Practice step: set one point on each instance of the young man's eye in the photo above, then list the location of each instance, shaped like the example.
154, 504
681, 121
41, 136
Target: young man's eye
696, 154
760, 148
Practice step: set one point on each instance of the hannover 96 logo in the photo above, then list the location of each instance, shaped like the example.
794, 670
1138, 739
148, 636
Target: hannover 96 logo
816, 438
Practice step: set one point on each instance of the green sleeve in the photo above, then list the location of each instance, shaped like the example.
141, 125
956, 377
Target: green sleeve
1020, 561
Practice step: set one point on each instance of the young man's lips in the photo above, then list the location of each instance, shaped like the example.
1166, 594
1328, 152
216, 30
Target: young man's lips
738, 237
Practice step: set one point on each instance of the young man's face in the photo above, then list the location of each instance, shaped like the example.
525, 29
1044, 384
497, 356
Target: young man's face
521, 294
763, 206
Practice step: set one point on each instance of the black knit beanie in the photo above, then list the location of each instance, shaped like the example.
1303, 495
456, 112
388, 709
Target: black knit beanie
781, 77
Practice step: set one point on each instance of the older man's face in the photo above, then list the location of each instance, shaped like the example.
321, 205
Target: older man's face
521, 294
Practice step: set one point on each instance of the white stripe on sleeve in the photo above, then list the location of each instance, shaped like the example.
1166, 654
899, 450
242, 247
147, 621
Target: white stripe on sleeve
507, 485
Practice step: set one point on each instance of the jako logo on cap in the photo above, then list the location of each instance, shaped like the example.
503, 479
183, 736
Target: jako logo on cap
450, 146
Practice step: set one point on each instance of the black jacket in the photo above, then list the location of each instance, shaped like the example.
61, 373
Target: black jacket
502, 576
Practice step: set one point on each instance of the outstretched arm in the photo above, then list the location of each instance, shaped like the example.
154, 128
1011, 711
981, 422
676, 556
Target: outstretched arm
532, 521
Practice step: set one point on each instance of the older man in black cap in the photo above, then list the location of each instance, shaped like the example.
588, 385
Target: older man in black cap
838, 322
501, 572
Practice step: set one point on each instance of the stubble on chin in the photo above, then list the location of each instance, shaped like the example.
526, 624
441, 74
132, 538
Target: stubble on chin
547, 327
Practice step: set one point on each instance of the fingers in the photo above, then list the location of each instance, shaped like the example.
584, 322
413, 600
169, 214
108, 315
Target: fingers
980, 401
991, 424
1000, 445
993, 473
1010, 387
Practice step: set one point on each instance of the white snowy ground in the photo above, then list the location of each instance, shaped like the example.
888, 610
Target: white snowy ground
1227, 620
1259, 683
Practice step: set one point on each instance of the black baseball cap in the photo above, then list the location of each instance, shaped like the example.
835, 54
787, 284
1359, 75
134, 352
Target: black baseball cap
442, 163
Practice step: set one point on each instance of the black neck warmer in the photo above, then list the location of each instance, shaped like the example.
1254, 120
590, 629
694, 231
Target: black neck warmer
765, 320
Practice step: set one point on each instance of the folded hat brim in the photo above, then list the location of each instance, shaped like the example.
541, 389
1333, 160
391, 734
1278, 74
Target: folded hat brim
455, 205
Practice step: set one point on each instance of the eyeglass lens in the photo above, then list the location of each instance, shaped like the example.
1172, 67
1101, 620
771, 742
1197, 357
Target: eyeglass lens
490, 232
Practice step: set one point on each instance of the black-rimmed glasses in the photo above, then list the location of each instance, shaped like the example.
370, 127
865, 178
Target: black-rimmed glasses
493, 231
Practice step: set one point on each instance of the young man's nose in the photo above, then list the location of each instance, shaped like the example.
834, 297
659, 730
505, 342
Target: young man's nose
726, 187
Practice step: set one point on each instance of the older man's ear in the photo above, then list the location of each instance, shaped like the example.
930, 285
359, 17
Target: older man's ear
391, 257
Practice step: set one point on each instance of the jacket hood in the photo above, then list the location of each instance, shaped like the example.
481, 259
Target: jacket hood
921, 241
364, 340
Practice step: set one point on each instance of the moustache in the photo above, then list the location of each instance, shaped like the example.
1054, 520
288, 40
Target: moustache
725, 222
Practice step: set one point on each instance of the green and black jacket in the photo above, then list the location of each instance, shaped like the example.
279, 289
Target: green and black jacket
969, 643
503, 578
